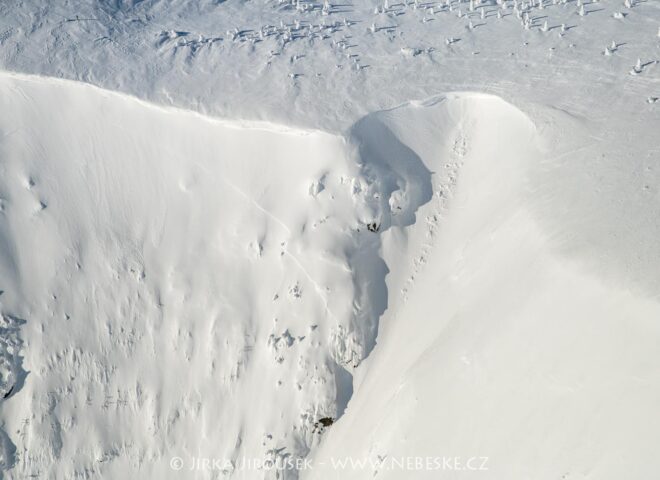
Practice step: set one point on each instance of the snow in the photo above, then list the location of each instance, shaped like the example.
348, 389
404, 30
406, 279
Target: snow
203, 241
495, 345
332, 71
293, 230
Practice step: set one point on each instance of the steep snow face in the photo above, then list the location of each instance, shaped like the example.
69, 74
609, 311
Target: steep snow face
191, 287
500, 356
181, 287
173, 285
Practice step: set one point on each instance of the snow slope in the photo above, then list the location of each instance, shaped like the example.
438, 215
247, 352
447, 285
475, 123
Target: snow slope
495, 347
434, 224
173, 268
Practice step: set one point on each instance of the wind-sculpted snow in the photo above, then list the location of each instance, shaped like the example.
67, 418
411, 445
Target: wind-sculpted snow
475, 274
500, 355
192, 286
12, 377
300, 62
197, 288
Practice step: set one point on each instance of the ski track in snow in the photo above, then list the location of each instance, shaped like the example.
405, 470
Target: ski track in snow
288, 230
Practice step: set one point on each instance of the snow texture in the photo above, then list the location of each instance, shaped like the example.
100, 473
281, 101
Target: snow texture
287, 229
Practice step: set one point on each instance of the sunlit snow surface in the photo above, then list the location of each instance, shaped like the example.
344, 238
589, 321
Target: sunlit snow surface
431, 224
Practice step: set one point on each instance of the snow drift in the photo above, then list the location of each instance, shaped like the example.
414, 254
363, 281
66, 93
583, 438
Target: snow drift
179, 286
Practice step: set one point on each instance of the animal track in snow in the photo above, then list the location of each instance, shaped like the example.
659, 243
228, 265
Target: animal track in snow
443, 189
